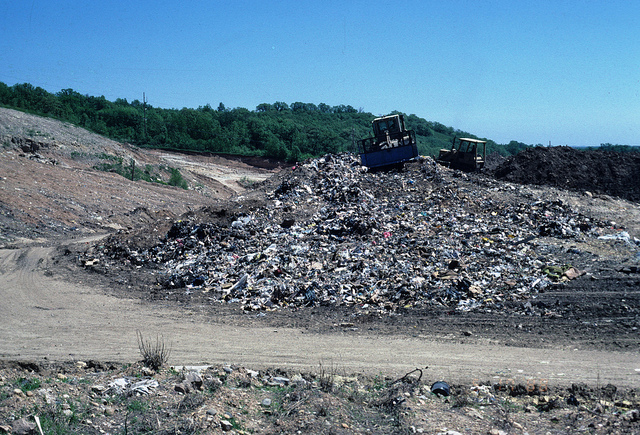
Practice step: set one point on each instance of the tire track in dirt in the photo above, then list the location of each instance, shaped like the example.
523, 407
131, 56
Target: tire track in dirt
48, 318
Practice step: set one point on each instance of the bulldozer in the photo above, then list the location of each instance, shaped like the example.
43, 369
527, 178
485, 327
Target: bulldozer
465, 154
391, 145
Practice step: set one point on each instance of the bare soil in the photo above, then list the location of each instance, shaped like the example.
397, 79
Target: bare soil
54, 208
597, 171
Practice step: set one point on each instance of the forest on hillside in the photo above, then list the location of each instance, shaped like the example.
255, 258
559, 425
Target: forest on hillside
290, 132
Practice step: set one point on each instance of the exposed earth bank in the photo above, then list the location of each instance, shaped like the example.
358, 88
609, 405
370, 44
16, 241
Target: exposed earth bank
598, 171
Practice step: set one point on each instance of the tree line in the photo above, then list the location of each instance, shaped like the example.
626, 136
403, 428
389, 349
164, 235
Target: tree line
616, 148
291, 132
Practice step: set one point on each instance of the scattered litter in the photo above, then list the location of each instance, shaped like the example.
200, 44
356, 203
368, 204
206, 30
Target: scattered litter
562, 273
197, 369
622, 236
331, 233
440, 388
127, 387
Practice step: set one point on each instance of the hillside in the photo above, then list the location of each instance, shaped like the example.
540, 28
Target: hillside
50, 187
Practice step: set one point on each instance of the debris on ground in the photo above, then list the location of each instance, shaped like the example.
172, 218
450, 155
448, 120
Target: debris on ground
71, 398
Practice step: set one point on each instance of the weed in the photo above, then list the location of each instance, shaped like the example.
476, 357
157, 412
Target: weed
355, 395
511, 406
28, 384
235, 424
140, 422
154, 355
243, 383
379, 383
274, 388
246, 182
32, 132
110, 167
462, 401
191, 402
54, 421
78, 155
177, 180
137, 406
392, 399
327, 378
111, 163
105, 156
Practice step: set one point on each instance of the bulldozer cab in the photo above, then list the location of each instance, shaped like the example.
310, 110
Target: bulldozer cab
466, 154
391, 124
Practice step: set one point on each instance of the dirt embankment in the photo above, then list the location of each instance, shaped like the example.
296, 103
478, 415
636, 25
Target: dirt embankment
49, 187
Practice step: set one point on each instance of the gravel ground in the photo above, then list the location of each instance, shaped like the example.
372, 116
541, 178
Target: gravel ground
97, 398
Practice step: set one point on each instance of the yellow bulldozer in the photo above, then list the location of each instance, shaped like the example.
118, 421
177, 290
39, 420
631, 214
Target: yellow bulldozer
465, 154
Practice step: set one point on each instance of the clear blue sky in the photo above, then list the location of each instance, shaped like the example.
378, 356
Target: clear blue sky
533, 71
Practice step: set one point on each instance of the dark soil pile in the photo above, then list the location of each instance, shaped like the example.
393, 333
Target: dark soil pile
600, 172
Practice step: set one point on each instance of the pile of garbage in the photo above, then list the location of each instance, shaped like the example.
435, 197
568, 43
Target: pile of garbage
328, 232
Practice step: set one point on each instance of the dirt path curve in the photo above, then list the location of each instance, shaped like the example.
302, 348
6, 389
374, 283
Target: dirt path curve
45, 317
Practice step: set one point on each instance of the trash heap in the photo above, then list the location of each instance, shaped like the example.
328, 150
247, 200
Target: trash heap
328, 232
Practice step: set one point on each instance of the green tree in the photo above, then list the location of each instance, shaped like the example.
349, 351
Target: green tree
291, 132
264, 107
514, 147
280, 106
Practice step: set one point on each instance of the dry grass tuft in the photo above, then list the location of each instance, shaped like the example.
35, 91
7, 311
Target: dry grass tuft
154, 355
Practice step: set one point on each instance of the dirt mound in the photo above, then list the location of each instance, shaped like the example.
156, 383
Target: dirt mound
600, 172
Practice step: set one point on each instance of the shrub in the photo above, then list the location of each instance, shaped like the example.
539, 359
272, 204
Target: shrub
177, 180
154, 355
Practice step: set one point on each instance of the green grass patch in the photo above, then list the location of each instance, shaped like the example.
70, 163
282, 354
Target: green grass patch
131, 171
246, 182
137, 406
177, 180
28, 384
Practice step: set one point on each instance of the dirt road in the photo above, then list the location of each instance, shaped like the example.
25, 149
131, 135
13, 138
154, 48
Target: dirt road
44, 317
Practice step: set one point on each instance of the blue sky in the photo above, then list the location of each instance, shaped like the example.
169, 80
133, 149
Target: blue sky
565, 72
